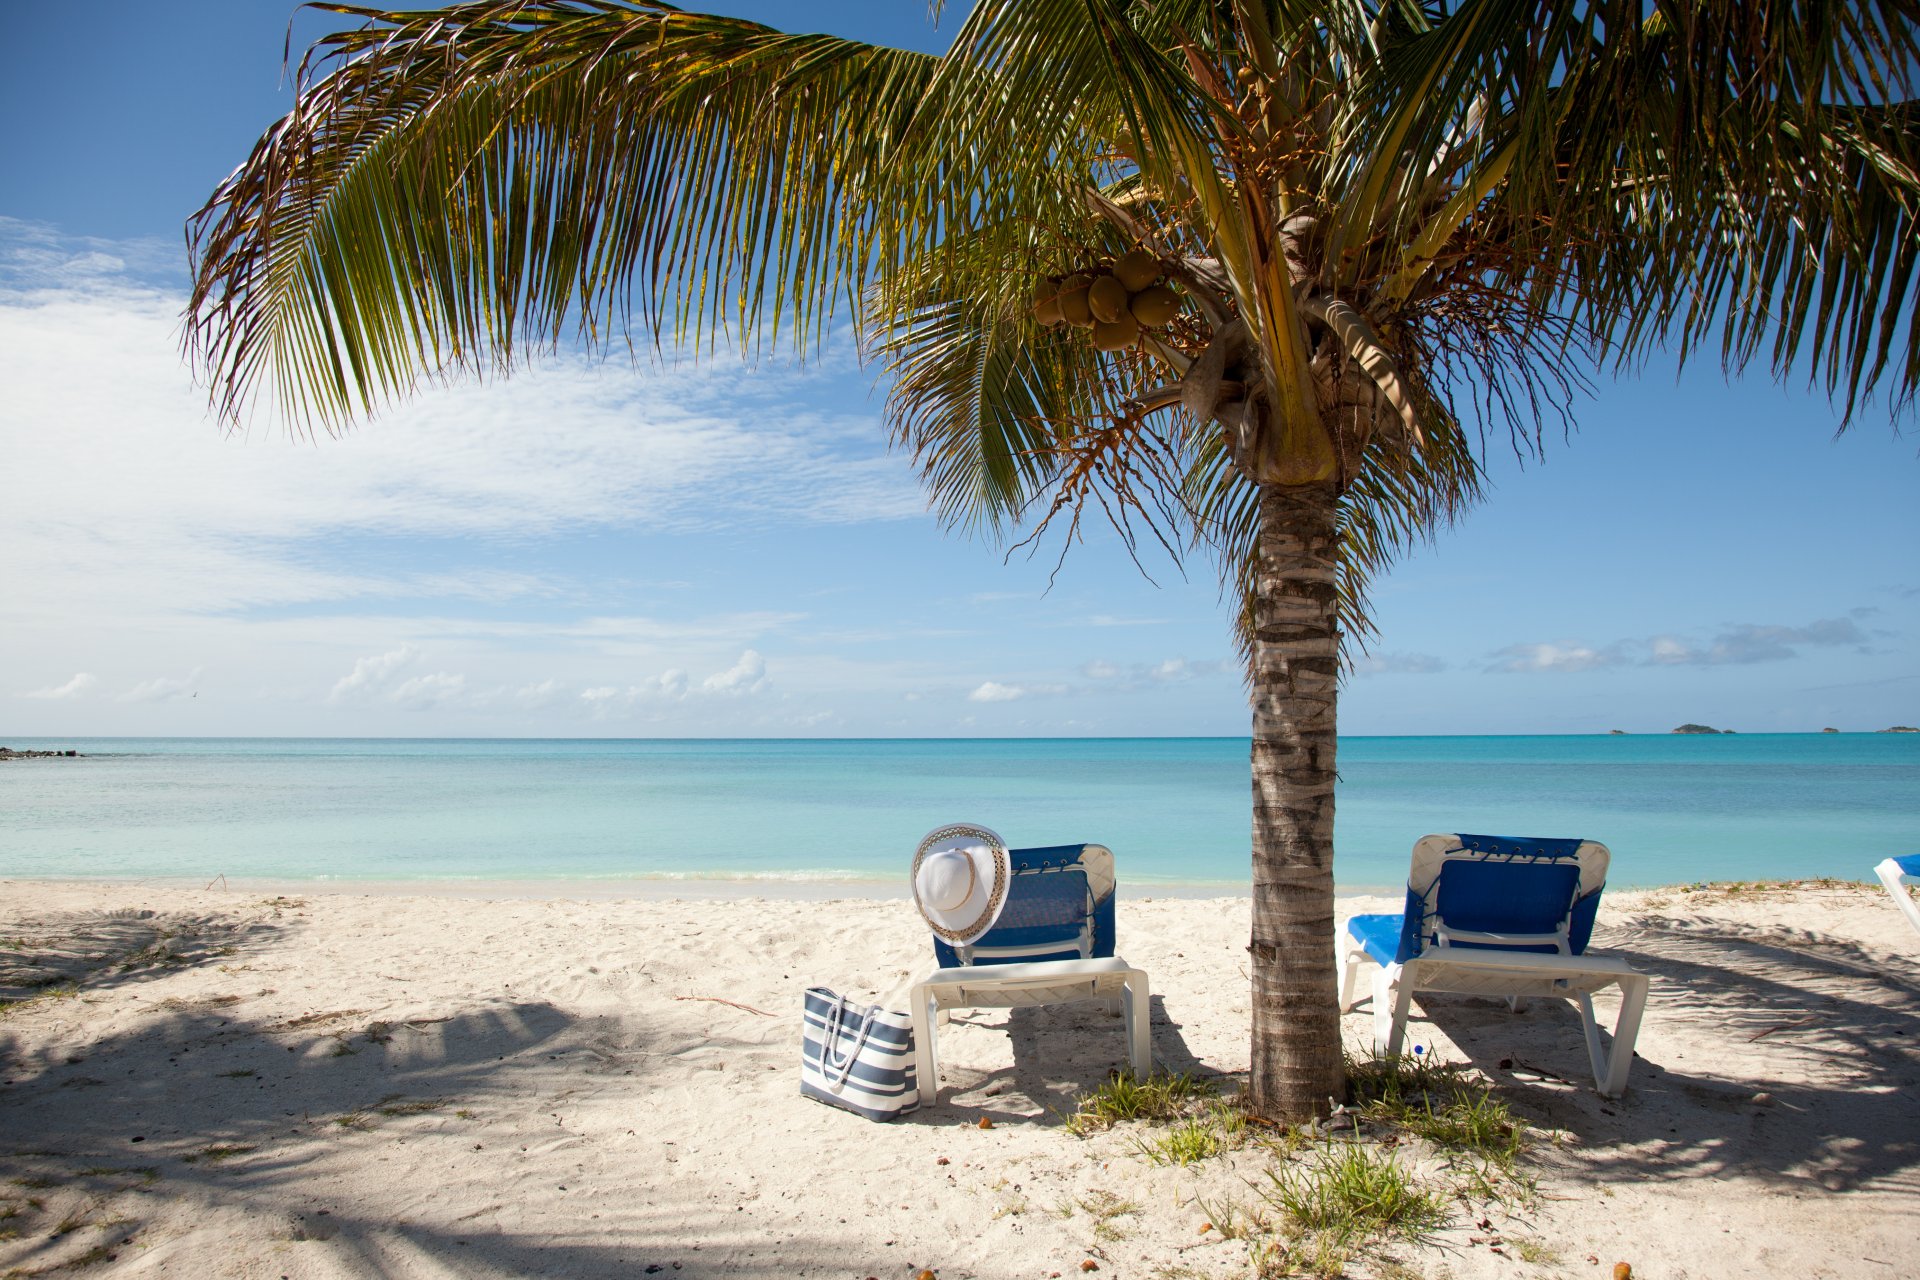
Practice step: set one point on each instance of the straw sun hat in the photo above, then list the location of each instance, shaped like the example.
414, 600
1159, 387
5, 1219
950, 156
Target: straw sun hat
960, 874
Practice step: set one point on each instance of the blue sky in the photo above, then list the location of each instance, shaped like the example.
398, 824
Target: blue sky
724, 550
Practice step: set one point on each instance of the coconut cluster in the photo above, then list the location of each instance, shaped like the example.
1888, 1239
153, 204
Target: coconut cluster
1116, 300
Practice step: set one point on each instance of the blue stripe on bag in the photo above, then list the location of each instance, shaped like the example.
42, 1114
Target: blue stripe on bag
856, 1057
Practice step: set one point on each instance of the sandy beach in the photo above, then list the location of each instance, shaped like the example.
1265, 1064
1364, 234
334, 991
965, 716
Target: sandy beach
242, 1084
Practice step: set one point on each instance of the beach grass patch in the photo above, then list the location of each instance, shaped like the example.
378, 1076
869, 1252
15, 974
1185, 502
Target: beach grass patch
244, 1073
1106, 1209
1443, 1103
400, 1105
354, 1120
465, 1114
1538, 1252
218, 1152
1218, 1128
1349, 1194
1731, 890
1124, 1096
36, 1181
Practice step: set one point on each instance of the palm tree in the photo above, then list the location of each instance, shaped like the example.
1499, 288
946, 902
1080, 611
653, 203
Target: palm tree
1253, 277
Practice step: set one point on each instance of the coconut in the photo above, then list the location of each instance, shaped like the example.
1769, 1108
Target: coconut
1113, 335
1046, 303
1154, 306
1073, 301
1137, 270
1107, 299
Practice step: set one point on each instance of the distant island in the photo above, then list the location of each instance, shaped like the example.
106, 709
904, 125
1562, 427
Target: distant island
1829, 731
1900, 728
1700, 728
1619, 732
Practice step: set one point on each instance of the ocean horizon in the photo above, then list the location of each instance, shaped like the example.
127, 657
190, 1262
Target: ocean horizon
1673, 808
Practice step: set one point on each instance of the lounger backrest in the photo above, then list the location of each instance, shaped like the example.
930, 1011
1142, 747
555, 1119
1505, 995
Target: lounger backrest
1059, 907
1503, 885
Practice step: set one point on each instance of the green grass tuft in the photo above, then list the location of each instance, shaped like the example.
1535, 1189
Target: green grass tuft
1350, 1195
1219, 1127
1440, 1102
1124, 1096
218, 1152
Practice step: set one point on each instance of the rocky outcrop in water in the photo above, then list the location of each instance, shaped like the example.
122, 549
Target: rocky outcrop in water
8, 753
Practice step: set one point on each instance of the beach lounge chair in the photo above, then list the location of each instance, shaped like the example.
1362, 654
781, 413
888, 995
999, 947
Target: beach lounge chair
1492, 915
1051, 942
1891, 873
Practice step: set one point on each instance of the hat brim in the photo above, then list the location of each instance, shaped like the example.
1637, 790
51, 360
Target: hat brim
993, 870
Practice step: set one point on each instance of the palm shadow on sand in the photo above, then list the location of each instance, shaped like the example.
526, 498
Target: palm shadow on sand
1802, 1067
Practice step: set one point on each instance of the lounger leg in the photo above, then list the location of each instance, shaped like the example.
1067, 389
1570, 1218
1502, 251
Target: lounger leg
1138, 1003
926, 1062
1626, 1030
1596, 1054
1349, 978
1392, 1000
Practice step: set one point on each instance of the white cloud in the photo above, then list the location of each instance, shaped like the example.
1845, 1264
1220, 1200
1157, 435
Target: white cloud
426, 692
73, 688
1381, 664
121, 500
748, 675
382, 679
164, 688
1552, 657
1737, 644
1100, 670
370, 674
994, 691
1749, 642
538, 697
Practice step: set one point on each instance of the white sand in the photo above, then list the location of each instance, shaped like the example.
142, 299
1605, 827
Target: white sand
593, 1114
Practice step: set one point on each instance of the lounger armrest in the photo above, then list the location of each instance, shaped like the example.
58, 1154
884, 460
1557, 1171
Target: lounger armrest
1038, 971
1525, 961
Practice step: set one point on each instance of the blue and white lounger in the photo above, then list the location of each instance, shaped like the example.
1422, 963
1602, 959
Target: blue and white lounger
1891, 872
1494, 915
1053, 943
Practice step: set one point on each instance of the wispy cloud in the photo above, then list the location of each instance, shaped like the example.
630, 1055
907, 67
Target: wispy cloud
1142, 675
164, 688
1387, 664
994, 691
101, 416
748, 675
1737, 644
1554, 657
1747, 642
81, 683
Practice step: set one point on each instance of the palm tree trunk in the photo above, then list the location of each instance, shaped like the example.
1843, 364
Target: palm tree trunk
1297, 1070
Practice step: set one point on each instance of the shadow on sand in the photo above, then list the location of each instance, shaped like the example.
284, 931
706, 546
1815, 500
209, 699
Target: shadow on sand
1811, 1081
193, 1119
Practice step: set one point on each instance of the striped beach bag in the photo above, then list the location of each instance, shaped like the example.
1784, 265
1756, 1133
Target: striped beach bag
857, 1056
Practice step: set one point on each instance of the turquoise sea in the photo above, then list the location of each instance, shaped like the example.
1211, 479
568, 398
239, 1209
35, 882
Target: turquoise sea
1174, 810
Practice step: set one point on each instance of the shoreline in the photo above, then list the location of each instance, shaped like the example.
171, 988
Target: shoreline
696, 888
610, 889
